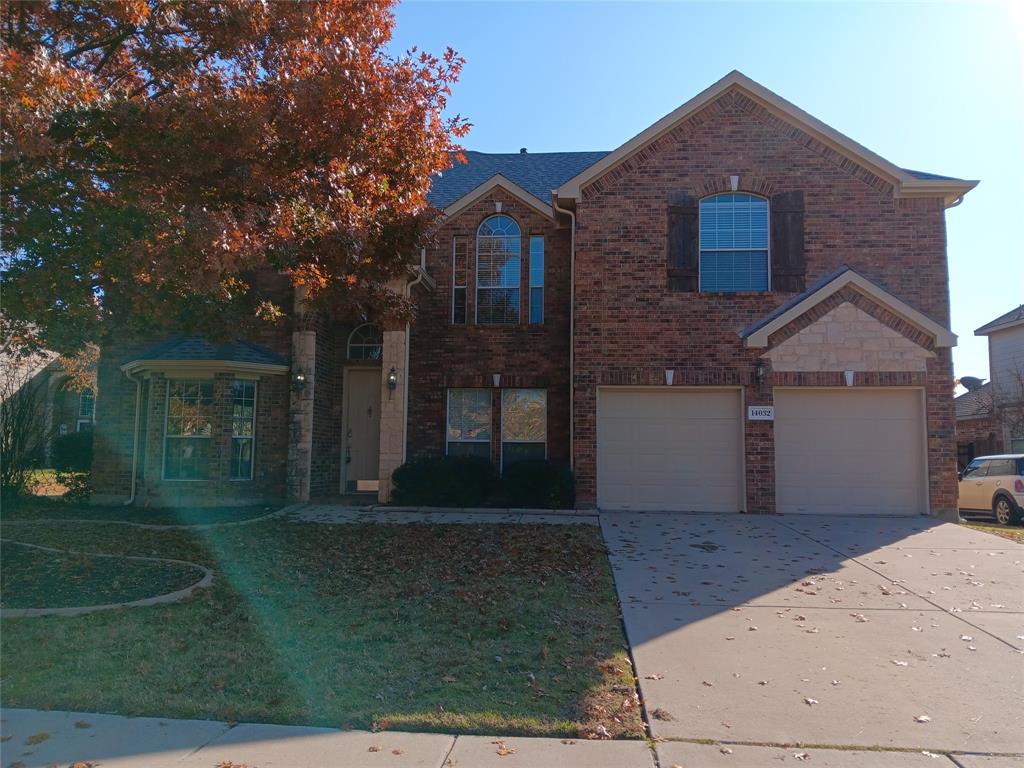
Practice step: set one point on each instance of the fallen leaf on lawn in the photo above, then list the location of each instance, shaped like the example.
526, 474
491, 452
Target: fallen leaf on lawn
810, 702
922, 719
503, 750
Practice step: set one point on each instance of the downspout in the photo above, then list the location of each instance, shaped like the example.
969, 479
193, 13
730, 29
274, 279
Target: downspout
135, 434
572, 328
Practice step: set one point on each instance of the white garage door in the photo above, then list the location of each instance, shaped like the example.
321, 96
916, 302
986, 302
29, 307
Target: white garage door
849, 451
675, 450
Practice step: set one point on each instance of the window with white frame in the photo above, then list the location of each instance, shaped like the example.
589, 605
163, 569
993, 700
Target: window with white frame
188, 429
468, 430
536, 279
733, 243
460, 272
524, 425
86, 410
365, 343
498, 271
243, 428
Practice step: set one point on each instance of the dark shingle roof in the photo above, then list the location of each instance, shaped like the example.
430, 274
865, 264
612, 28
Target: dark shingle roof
537, 173
198, 348
976, 403
1013, 316
930, 176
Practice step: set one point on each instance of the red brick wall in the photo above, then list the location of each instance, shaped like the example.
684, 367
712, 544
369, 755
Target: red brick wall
443, 355
629, 328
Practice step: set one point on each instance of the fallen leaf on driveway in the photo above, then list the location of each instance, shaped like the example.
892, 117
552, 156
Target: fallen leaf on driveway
725, 751
655, 676
662, 714
810, 702
707, 684
966, 638
922, 719
504, 751
900, 663
802, 756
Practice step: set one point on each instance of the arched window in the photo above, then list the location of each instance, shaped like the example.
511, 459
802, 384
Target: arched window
365, 343
498, 269
733, 243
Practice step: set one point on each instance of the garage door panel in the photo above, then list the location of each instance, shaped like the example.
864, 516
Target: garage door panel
842, 451
669, 450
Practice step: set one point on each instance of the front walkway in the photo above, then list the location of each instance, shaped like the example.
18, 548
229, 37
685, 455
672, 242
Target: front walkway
870, 632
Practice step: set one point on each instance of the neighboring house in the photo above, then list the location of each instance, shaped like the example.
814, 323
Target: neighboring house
739, 309
990, 419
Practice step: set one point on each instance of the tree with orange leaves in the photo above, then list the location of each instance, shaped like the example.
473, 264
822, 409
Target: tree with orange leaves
155, 155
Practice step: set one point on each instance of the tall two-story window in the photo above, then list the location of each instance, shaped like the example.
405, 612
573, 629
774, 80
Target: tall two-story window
460, 273
498, 271
733, 243
188, 429
469, 423
243, 428
536, 279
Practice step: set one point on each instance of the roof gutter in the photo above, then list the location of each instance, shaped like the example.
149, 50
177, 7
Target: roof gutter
572, 326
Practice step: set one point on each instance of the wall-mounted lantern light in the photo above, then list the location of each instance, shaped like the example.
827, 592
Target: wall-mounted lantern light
669, 376
298, 380
760, 372
392, 379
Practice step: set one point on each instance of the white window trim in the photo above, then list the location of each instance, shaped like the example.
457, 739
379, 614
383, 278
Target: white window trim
81, 395
348, 344
448, 411
502, 440
476, 275
80, 422
167, 412
700, 249
252, 439
455, 285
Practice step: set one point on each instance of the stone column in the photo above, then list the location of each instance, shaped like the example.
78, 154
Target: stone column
393, 404
300, 415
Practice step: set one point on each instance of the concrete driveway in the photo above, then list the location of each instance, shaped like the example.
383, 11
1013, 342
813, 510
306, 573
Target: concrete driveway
881, 632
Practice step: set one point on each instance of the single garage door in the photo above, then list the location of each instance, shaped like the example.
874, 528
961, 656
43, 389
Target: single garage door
673, 450
849, 451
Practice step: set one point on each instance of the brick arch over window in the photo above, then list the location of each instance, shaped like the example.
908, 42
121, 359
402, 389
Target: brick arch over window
499, 246
733, 237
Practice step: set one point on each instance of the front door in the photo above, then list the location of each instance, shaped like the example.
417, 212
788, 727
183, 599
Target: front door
362, 430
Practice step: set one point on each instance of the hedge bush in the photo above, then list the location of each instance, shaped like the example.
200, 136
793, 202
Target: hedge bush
73, 452
538, 483
449, 481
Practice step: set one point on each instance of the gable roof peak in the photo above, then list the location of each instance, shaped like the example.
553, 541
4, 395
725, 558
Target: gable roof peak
905, 183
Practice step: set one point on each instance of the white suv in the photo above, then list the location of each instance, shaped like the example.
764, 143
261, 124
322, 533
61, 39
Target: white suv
995, 483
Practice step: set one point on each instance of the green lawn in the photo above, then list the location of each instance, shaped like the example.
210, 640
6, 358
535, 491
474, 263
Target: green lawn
489, 629
56, 508
33, 578
1013, 533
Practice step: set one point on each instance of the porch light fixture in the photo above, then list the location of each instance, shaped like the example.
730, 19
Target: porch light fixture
760, 372
298, 380
669, 376
392, 379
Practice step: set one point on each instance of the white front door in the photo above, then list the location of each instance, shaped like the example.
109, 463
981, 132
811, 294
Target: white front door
670, 449
361, 469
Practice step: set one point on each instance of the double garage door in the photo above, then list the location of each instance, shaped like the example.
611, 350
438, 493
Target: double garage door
837, 451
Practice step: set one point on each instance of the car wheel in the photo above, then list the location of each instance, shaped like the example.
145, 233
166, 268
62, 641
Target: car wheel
1005, 510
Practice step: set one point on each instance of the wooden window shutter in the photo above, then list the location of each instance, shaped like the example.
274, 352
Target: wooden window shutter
683, 243
789, 264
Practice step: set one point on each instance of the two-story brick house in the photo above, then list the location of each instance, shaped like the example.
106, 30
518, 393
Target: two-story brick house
739, 309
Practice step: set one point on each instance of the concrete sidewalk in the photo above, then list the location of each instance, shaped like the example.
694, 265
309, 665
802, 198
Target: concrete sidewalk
34, 739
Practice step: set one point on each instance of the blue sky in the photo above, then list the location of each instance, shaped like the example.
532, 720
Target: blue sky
933, 86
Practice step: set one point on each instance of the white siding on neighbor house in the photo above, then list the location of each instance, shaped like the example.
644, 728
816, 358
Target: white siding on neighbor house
1006, 363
